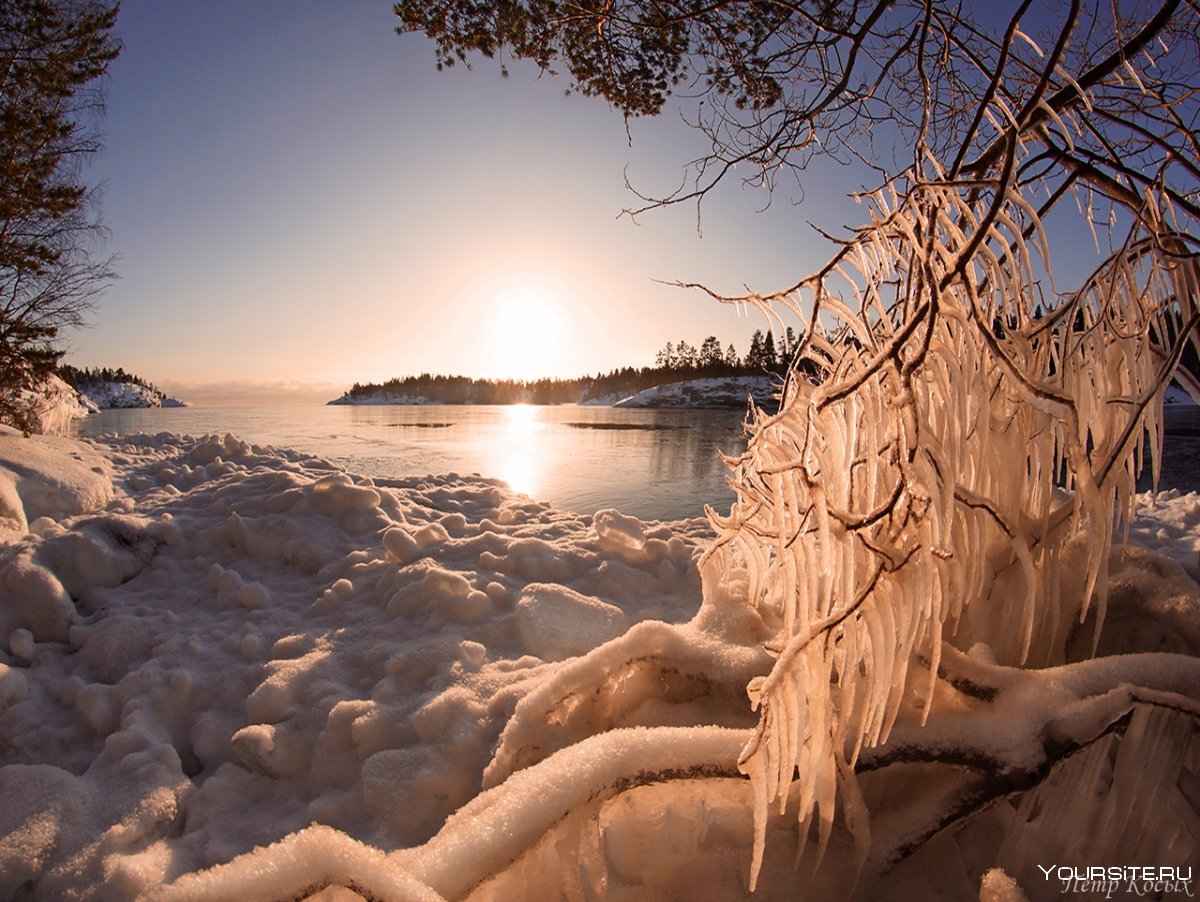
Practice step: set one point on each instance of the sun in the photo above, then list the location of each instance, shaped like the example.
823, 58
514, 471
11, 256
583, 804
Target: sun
527, 332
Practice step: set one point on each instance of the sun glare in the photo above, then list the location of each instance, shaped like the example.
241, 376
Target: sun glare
526, 335
518, 459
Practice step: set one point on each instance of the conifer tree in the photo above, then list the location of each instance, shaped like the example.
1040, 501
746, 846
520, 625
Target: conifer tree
770, 355
52, 52
756, 355
710, 353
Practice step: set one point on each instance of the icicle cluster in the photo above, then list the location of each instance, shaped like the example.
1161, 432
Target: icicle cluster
940, 438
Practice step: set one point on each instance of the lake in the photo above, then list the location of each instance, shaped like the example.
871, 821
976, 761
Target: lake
654, 464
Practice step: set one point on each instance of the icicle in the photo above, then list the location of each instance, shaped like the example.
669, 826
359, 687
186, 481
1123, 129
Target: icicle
979, 438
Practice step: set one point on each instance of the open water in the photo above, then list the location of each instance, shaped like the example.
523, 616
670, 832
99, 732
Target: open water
654, 464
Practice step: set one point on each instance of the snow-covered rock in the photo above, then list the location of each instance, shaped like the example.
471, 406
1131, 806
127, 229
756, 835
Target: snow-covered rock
729, 391
43, 476
378, 398
53, 405
109, 395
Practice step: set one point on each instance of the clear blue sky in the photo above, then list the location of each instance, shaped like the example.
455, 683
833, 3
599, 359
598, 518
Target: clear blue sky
299, 200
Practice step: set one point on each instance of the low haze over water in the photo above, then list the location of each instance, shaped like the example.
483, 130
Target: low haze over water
653, 464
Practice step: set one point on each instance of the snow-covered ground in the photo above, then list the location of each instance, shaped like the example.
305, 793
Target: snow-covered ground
218, 655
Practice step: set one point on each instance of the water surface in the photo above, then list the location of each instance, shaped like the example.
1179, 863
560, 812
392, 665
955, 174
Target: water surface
654, 464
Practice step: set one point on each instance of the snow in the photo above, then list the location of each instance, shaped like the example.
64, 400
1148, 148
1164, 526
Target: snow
556, 622
45, 476
53, 405
381, 397
234, 671
108, 395
730, 391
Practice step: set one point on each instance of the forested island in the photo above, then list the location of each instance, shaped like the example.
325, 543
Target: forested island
766, 358
105, 387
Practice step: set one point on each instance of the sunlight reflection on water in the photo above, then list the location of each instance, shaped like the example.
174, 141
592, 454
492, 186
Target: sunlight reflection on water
518, 459
654, 464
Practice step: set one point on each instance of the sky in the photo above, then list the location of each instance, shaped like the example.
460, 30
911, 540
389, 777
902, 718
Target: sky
298, 200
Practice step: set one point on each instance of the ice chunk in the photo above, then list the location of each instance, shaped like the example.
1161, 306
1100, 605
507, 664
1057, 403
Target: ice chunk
998, 886
251, 647
99, 706
102, 551
48, 476
223, 580
471, 653
337, 494
274, 750
618, 532
13, 687
12, 508
440, 593
413, 789
429, 535
21, 644
278, 696
556, 622
400, 546
40, 803
252, 595
536, 559
34, 598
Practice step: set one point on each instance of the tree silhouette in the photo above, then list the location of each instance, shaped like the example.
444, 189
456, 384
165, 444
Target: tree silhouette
52, 52
769, 353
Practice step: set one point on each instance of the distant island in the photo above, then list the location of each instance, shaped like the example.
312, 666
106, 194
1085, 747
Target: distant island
103, 388
683, 376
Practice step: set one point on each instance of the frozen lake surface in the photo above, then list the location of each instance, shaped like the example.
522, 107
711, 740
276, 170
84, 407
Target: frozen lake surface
654, 464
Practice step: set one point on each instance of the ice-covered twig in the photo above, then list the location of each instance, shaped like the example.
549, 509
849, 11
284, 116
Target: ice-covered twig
485, 836
653, 663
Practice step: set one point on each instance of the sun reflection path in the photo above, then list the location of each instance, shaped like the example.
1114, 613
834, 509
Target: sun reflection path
519, 460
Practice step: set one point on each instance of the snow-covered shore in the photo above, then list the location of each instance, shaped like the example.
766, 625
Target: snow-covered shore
54, 404
209, 648
209, 645
378, 398
730, 391
117, 395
